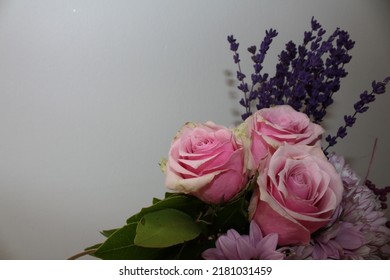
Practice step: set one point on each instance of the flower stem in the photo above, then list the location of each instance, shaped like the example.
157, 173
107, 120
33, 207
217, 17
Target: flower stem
82, 254
371, 160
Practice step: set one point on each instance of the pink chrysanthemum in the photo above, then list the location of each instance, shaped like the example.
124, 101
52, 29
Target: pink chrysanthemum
348, 176
341, 241
233, 246
361, 208
359, 230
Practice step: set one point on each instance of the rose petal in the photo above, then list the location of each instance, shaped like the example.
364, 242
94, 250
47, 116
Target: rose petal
206, 160
272, 218
295, 195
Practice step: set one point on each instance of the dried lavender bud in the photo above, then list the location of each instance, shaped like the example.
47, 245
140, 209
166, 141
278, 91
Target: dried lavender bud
342, 132
246, 115
308, 36
253, 95
231, 39
236, 58
349, 120
255, 78
378, 88
240, 76
252, 49
258, 67
233, 43
321, 32
315, 25
243, 87
331, 140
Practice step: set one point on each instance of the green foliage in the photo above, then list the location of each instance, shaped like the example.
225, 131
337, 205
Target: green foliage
187, 204
179, 226
120, 246
108, 233
165, 228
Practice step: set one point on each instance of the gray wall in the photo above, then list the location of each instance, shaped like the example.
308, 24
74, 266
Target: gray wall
92, 92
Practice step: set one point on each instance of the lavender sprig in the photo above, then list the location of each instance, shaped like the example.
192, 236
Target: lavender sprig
306, 76
258, 59
306, 81
360, 107
256, 77
243, 86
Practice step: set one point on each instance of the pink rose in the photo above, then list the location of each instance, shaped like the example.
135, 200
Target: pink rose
298, 191
206, 160
271, 127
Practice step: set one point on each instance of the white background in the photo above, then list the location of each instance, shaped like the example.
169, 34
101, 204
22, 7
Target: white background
47, 270
92, 92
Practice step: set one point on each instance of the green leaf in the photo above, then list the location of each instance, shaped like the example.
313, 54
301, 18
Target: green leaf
188, 204
120, 246
233, 215
109, 232
168, 194
93, 247
165, 228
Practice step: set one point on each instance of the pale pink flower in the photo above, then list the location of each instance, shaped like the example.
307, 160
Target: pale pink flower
298, 192
362, 208
269, 128
207, 161
362, 218
347, 174
233, 246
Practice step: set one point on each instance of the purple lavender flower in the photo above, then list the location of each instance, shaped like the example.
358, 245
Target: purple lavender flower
360, 107
250, 91
233, 246
306, 76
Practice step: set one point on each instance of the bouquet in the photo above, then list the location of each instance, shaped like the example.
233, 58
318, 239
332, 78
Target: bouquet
265, 189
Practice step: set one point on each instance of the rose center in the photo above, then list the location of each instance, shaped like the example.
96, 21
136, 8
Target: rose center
298, 184
202, 143
287, 122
